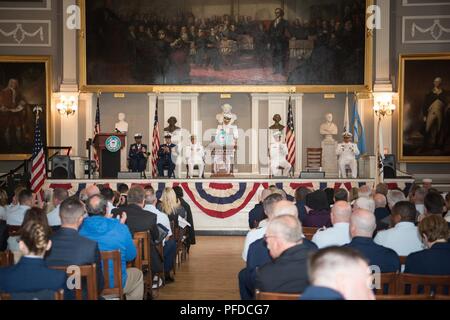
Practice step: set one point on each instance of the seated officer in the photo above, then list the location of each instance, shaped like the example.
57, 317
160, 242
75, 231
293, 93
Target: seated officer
138, 154
165, 153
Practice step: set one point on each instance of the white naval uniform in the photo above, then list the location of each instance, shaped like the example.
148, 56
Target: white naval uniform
231, 135
278, 152
347, 153
194, 157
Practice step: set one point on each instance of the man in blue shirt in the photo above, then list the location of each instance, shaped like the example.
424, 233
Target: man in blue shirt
113, 234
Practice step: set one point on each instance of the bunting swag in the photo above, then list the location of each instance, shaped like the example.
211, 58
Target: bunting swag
224, 200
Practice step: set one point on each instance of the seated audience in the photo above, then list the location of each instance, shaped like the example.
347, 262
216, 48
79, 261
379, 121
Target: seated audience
403, 238
256, 215
382, 188
393, 197
68, 247
108, 194
417, 196
435, 260
330, 196
31, 274
338, 274
365, 191
318, 210
362, 226
300, 201
59, 195
364, 203
190, 240
113, 234
259, 232
122, 188
288, 270
382, 213
434, 204
427, 184
16, 213
339, 234
92, 190
341, 195
3, 204
171, 205
353, 195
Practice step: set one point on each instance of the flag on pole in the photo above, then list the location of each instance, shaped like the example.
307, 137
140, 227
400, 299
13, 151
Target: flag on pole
155, 144
346, 117
381, 152
290, 135
359, 135
97, 128
38, 170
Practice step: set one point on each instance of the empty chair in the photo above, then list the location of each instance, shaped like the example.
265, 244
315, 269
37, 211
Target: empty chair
112, 259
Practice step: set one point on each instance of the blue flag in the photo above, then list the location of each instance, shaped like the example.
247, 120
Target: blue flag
359, 135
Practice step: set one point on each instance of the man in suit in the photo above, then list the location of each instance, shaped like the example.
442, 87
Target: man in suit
279, 41
68, 247
338, 273
382, 213
288, 271
138, 154
362, 226
139, 220
165, 153
59, 195
257, 214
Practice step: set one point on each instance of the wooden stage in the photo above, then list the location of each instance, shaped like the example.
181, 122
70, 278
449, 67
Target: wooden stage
221, 206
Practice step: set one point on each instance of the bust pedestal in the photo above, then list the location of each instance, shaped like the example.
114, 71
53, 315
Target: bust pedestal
329, 158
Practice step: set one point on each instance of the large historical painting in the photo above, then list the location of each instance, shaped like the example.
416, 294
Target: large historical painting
24, 84
225, 42
424, 129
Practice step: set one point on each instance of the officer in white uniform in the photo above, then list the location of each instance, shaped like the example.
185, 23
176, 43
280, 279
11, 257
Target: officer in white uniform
278, 152
226, 135
195, 154
347, 152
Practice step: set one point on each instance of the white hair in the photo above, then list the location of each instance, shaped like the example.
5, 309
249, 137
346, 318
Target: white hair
364, 223
287, 228
365, 203
365, 191
395, 196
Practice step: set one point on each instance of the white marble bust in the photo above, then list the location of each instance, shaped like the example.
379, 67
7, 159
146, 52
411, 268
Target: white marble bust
328, 128
122, 125
226, 109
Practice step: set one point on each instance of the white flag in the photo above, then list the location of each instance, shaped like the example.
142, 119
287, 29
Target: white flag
346, 121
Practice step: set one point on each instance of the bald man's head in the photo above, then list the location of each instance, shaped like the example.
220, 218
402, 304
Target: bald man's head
341, 212
380, 200
362, 223
92, 191
285, 207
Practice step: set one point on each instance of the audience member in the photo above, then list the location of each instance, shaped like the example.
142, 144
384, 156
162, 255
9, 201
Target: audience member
190, 240
382, 188
112, 234
31, 274
403, 238
288, 271
427, 184
340, 195
15, 215
330, 196
59, 195
382, 213
353, 195
364, 203
256, 215
362, 227
434, 204
338, 274
108, 194
318, 210
393, 197
435, 260
418, 197
122, 188
3, 204
365, 191
171, 205
300, 201
68, 247
339, 234
92, 190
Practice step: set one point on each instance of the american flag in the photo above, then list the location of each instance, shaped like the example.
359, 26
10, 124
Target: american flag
97, 129
38, 172
155, 145
290, 135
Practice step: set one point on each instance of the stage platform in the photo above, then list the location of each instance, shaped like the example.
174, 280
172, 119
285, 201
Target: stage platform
222, 205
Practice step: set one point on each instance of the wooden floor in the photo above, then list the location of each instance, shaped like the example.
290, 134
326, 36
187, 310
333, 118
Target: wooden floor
210, 273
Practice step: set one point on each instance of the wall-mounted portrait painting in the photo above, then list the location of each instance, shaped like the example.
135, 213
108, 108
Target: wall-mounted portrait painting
24, 84
424, 130
136, 44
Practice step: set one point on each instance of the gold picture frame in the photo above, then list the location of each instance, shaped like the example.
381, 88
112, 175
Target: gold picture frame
84, 87
47, 61
409, 107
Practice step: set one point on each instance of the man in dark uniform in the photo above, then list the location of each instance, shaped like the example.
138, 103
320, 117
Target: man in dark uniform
138, 154
279, 41
165, 153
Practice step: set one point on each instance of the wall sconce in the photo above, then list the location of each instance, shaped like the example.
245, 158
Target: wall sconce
383, 105
68, 105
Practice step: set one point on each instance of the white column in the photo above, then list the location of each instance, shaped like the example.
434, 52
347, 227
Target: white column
255, 135
298, 115
87, 98
69, 54
195, 125
69, 126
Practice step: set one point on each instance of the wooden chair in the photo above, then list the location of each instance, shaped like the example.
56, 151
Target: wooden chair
388, 284
403, 259
423, 284
87, 272
6, 258
314, 159
145, 263
109, 291
57, 295
309, 232
276, 296
404, 297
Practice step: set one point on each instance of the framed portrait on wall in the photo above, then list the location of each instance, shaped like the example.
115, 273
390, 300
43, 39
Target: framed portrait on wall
225, 45
424, 126
24, 84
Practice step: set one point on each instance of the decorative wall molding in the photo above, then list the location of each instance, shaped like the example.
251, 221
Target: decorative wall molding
25, 33
47, 6
426, 29
412, 3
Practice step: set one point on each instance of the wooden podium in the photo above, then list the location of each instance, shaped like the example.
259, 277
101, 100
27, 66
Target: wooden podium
109, 162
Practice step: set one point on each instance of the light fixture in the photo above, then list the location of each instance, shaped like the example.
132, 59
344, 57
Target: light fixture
67, 106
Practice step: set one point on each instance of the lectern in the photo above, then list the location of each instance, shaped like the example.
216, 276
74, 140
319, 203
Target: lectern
108, 146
